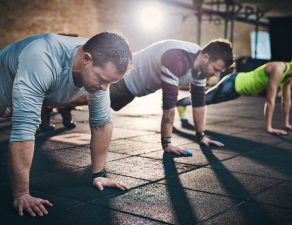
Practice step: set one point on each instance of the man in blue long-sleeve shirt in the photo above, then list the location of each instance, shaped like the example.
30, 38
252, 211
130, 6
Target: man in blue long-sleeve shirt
56, 70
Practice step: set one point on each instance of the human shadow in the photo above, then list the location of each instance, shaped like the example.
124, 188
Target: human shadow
233, 187
272, 158
46, 177
231, 184
181, 204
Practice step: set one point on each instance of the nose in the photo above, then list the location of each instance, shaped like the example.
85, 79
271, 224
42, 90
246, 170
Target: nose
217, 74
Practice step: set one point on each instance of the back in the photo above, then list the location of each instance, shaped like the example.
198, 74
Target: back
145, 76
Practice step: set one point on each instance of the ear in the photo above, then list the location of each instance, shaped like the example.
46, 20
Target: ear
87, 57
206, 57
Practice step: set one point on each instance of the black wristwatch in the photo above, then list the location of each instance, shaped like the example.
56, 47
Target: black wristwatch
101, 173
165, 141
200, 135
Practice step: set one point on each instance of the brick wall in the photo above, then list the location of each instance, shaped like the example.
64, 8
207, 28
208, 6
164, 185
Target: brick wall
20, 18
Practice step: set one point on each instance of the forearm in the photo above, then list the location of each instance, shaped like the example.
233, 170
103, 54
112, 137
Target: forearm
199, 115
268, 114
286, 106
21, 154
286, 103
167, 122
100, 140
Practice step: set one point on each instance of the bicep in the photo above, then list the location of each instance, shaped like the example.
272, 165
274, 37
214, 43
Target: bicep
32, 80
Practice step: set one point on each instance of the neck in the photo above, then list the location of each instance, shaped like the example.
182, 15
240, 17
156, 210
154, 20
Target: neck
197, 62
77, 68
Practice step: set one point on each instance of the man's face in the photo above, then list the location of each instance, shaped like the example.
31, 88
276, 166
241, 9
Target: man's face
213, 68
97, 78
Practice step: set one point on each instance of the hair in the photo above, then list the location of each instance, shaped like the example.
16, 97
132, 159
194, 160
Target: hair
109, 47
220, 49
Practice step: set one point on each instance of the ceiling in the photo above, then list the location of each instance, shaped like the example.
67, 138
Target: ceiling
272, 8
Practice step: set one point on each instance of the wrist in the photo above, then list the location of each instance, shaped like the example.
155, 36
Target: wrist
20, 194
101, 173
200, 135
165, 142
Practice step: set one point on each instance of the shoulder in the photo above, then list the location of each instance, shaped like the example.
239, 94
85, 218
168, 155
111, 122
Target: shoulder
176, 61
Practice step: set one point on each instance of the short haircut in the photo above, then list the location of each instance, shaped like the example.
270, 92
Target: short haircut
220, 49
109, 47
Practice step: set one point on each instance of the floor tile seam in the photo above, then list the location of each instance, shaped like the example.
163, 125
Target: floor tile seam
207, 192
59, 149
140, 155
35, 177
248, 153
126, 157
141, 130
245, 155
180, 163
67, 164
109, 196
125, 138
143, 142
138, 178
240, 130
64, 148
116, 152
265, 190
221, 212
268, 204
133, 154
253, 175
274, 178
48, 192
210, 163
150, 182
129, 213
270, 187
201, 165
80, 201
241, 117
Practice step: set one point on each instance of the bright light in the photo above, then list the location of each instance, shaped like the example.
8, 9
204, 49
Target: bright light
151, 17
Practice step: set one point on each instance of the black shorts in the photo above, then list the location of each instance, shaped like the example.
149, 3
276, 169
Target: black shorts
120, 95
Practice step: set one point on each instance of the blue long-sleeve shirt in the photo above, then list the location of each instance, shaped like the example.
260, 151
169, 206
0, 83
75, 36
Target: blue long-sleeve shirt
39, 69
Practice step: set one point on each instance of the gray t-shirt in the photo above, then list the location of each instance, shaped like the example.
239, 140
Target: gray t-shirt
149, 72
39, 69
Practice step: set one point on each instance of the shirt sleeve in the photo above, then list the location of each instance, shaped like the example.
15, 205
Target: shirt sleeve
198, 89
174, 64
99, 108
33, 79
198, 96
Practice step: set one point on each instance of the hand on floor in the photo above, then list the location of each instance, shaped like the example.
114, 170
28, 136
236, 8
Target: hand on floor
101, 182
31, 205
177, 150
206, 141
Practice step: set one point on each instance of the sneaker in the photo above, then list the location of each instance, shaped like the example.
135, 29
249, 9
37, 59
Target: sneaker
45, 125
185, 124
67, 117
